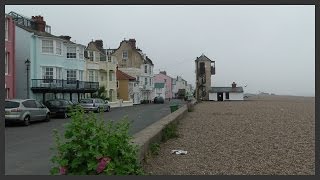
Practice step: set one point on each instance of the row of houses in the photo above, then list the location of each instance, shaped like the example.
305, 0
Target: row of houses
44, 66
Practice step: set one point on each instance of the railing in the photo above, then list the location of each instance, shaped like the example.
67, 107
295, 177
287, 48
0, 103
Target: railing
64, 84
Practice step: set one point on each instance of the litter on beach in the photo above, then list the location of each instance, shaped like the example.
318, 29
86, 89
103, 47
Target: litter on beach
179, 152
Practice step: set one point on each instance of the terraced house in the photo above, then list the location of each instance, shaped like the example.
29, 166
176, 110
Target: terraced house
132, 61
101, 68
48, 66
9, 60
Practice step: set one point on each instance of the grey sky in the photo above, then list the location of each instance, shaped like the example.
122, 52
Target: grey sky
269, 48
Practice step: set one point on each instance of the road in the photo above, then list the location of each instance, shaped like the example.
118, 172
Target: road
27, 149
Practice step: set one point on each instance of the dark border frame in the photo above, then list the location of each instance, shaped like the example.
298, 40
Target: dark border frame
172, 2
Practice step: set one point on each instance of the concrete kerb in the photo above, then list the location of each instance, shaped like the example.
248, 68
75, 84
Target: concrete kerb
153, 133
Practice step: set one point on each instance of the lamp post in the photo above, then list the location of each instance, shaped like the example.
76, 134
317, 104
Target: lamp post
27, 62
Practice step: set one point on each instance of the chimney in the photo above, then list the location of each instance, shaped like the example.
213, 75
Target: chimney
99, 44
40, 24
65, 37
163, 72
234, 85
132, 42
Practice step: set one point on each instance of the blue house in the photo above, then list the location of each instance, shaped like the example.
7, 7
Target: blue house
57, 65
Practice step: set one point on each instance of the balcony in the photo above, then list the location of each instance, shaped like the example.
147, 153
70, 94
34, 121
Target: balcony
63, 86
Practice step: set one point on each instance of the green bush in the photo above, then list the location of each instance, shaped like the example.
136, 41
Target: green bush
155, 148
91, 146
170, 131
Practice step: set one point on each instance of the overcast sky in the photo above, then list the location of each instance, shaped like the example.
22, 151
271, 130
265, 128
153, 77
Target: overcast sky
267, 48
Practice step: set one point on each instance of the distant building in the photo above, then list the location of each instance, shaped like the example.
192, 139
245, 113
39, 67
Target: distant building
9, 69
204, 71
132, 61
232, 93
125, 85
179, 84
162, 77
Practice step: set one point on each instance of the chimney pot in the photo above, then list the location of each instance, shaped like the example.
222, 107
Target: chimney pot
234, 85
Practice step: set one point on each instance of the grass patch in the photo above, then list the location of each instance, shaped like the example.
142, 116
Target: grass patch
154, 149
170, 131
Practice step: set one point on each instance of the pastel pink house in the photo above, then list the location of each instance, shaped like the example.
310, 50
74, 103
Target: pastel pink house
162, 77
10, 73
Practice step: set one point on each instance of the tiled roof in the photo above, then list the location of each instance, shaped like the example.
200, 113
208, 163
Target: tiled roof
159, 85
225, 89
123, 76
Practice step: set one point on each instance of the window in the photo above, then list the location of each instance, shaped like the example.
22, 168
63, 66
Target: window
150, 82
145, 81
81, 53
6, 29
227, 95
110, 75
91, 55
118, 84
6, 63
125, 55
71, 76
29, 104
91, 75
58, 73
149, 69
47, 46
101, 78
80, 75
58, 48
109, 58
71, 52
96, 76
47, 73
145, 69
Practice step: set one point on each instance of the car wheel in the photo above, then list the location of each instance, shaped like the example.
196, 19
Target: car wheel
26, 120
47, 119
108, 109
98, 110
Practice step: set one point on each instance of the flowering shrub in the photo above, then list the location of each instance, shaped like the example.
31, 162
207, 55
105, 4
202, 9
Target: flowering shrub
91, 146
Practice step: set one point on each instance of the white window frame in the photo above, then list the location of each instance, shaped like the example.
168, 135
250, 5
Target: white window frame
80, 75
91, 75
6, 63
69, 53
145, 81
45, 75
109, 58
96, 76
59, 73
146, 69
91, 55
125, 55
58, 48
81, 53
149, 69
47, 46
6, 29
73, 78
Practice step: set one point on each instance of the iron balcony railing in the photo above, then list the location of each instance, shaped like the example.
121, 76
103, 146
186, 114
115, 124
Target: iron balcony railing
64, 84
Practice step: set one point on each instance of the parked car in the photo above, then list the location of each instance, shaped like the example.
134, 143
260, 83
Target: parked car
94, 104
25, 111
158, 100
59, 107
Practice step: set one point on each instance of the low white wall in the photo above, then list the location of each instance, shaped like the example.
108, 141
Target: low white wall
232, 97
213, 97
120, 103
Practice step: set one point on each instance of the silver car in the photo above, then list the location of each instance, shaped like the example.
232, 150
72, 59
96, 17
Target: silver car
94, 104
25, 110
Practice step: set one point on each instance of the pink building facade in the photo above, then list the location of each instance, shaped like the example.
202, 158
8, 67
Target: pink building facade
9, 58
162, 77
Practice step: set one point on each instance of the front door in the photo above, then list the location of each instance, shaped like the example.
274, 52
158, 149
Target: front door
220, 96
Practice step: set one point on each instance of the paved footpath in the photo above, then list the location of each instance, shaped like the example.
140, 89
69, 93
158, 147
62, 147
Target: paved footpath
261, 136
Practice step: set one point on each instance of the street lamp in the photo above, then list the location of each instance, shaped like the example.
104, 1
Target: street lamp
27, 62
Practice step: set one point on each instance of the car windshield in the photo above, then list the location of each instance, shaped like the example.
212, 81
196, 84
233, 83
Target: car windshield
65, 103
11, 104
86, 101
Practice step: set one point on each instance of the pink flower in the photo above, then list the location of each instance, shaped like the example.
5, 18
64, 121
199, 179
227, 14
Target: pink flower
63, 170
102, 164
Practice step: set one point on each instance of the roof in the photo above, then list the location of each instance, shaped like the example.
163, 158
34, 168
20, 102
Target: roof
44, 34
95, 48
225, 89
159, 85
203, 58
149, 60
123, 76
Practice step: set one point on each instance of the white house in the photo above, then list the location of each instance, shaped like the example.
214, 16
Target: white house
226, 93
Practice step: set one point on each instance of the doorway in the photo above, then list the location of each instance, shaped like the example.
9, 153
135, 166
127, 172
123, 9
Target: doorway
220, 96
